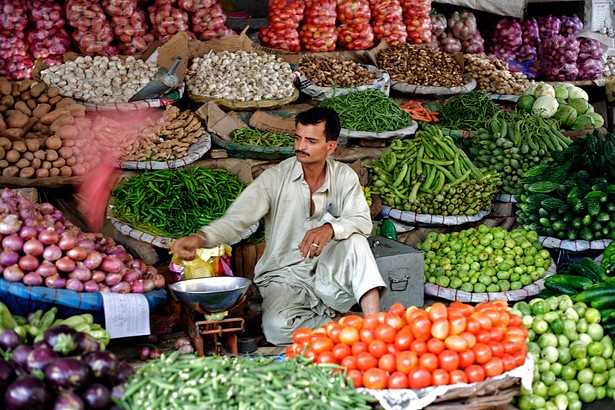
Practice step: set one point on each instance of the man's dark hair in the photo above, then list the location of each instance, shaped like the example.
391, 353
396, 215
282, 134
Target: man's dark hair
316, 115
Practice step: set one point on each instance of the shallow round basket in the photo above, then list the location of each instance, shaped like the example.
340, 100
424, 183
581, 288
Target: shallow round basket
573, 246
253, 151
163, 101
237, 105
200, 147
532, 289
425, 90
22, 299
426, 219
214, 294
161, 241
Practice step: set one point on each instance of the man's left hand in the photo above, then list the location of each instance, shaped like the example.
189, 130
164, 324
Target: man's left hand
315, 240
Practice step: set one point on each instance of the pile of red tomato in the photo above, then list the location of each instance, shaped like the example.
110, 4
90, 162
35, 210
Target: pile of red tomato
416, 348
318, 32
387, 21
355, 32
417, 18
283, 18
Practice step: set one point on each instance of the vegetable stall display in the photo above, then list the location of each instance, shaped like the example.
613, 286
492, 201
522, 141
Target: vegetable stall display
175, 203
572, 198
573, 356
431, 175
484, 259
493, 75
512, 143
332, 72
416, 348
468, 112
41, 248
256, 137
66, 369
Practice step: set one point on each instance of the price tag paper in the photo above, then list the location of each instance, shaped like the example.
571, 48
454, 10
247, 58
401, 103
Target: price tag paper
126, 314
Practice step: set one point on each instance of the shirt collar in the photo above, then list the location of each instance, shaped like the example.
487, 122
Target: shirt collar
297, 172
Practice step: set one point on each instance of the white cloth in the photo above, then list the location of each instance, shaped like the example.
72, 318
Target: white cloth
306, 292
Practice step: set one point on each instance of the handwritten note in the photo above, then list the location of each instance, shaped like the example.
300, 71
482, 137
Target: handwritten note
126, 314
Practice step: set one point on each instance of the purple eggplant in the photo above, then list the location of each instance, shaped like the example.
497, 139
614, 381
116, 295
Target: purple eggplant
27, 393
68, 401
61, 338
86, 344
7, 375
39, 358
103, 366
117, 392
9, 340
96, 397
67, 374
124, 371
20, 356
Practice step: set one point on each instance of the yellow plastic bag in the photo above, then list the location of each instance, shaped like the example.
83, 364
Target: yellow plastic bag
206, 264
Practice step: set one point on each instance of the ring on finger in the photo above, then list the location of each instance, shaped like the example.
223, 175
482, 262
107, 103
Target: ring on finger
315, 245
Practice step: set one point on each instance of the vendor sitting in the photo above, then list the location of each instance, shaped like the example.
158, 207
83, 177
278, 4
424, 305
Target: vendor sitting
317, 261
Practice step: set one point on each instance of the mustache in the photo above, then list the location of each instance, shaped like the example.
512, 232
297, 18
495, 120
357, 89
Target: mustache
302, 152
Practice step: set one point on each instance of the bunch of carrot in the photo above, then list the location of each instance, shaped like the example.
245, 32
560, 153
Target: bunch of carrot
418, 112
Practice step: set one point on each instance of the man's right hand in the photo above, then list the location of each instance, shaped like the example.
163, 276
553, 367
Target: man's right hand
185, 248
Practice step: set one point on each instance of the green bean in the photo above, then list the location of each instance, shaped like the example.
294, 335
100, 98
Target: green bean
256, 137
368, 110
468, 112
175, 202
241, 383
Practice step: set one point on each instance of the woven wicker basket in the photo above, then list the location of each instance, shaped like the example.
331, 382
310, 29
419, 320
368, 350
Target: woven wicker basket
251, 151
489, 394
245, 105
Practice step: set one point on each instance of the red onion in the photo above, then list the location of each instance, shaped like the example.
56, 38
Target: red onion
27, 232
13, 273
98, 276
86, 244
77, 253
148, 285
46, 269
57, 215
103, 288
548, 26
48, 236
10, 224
137, 286
81, 273
32, 279
121, 287
74, 284
113, 279
530, 32
570, 26
52, 253
131, 276
558, 58
111, 264
8, 257
90, 286
93, 260
28, 263
55, 281
45, 208
67, 241
138, 264
65, 264
159, 281
151, 270
13, 241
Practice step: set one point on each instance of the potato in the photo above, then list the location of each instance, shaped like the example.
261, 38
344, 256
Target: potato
41, 110
36, 163
26, 96
76, 110
5, 143
69, 143
53, 92
27, 172
15, 89
38, 89
3, 109
50, 117
65, 152
71, 161
33, 144
2, 124
32, 121
54, 172
59, 163
60, 122
46, 165
82, 122
10, 171
41, 173
51, 155
54, 100
12, 156
3, 163
23, 107
65, 171
40, 154
25, 85
17, 120
2, 153
43, 98
78, 169
22, 163
5, 86
53, 142
19, 146
7, 100
32, 104
65, 102
13, 133
67, 132
28, 155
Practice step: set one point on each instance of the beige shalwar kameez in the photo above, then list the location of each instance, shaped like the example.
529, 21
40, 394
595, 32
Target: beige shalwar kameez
297, 292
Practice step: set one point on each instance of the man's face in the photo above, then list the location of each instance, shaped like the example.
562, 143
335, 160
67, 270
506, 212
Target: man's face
311, 145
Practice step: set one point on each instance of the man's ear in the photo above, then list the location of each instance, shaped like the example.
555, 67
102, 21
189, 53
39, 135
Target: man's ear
331, 145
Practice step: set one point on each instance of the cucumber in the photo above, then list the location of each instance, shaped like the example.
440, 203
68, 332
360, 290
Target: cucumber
591, 294
597, 269
607, 315
577, 282
605, 302
561, 288
580, 270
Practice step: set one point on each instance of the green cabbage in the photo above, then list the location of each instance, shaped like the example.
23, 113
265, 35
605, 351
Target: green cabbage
544, 89
597, 119
561, 91
566, 116
580, 105
526, 102
583, 122
545, 106
576, 92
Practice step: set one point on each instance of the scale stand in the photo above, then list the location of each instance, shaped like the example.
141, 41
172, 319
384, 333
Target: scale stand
214, 330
